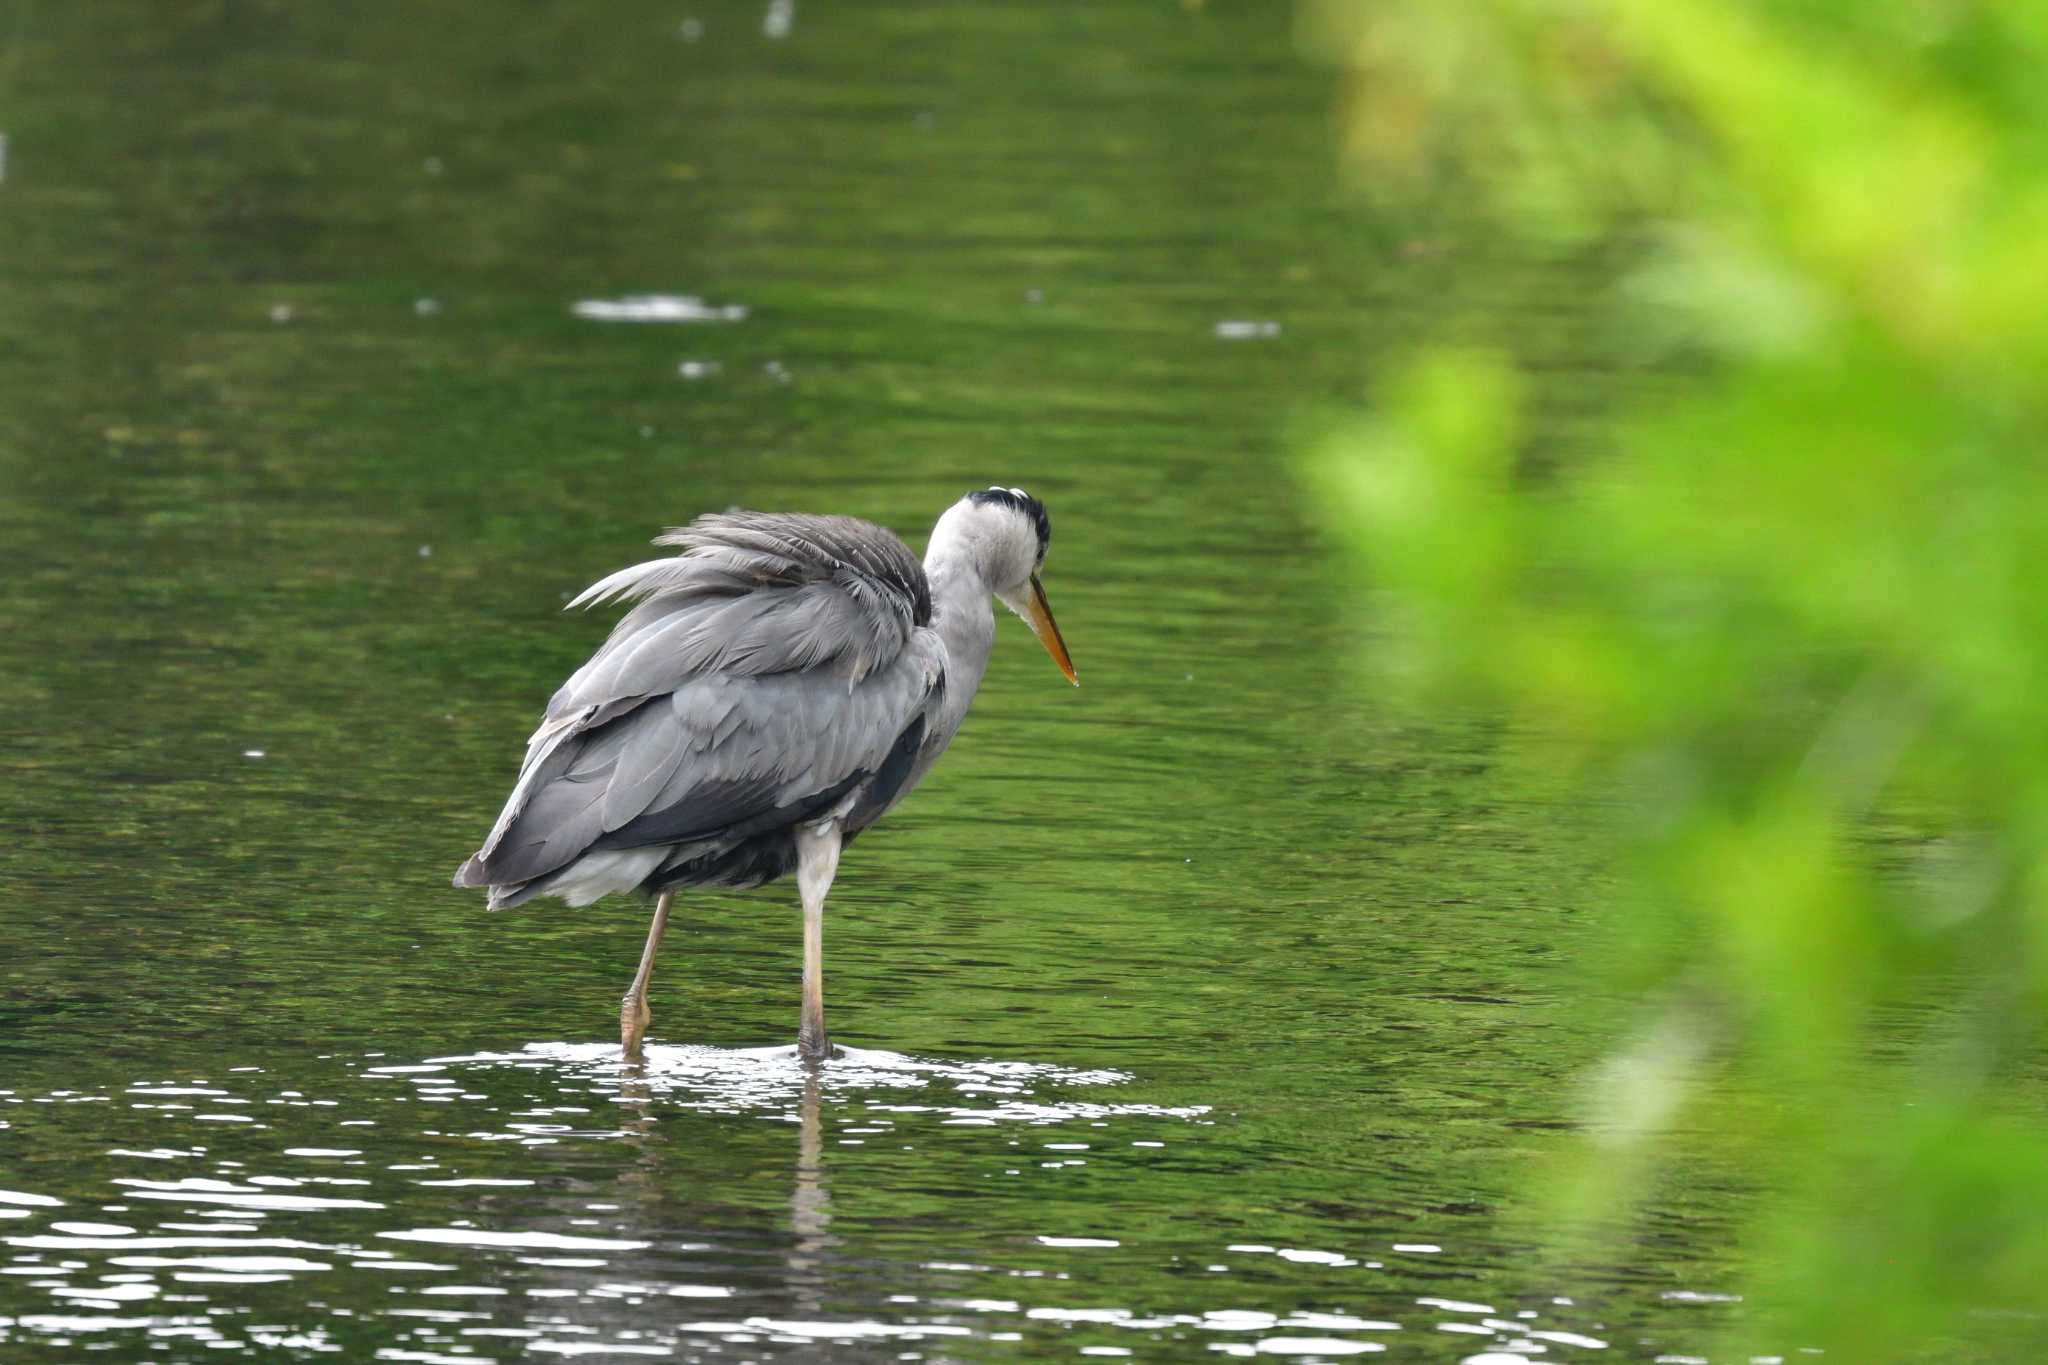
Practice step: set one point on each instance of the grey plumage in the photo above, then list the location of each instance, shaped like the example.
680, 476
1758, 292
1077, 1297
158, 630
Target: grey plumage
764, 678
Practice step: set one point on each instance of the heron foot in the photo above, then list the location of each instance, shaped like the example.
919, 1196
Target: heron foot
813, 1048
634, 1016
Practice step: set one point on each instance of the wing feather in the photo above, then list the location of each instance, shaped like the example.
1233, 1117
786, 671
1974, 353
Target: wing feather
766, 675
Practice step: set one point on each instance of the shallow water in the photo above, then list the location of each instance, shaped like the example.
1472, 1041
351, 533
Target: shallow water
1205, 1009
723, 1203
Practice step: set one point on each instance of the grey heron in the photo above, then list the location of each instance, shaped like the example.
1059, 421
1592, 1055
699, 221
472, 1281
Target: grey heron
776, 688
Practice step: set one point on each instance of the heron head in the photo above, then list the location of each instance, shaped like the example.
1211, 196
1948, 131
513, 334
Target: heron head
1004, 532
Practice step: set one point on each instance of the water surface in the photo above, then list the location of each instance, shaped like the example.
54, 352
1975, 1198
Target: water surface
1204, 1010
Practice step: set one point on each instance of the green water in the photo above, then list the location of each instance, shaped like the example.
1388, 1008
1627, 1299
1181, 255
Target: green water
1204, 1009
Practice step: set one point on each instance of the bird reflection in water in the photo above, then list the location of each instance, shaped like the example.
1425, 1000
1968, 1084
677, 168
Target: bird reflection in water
810, 1201
810, 1204
684, 1120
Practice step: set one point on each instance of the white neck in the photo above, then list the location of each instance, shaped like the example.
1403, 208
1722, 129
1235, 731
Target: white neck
965, 619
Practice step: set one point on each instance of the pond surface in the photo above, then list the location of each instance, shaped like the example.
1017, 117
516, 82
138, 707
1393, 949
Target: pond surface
1206, 1009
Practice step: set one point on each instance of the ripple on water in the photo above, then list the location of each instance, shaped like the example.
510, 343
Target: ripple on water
21, 1197
593, 1243
550, 1260
476, 1237
738, 1080
658, 308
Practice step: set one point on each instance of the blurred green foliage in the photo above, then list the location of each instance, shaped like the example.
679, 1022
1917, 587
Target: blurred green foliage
1788, 617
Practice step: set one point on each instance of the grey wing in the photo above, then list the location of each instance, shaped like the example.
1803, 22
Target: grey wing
720, 760
770, 676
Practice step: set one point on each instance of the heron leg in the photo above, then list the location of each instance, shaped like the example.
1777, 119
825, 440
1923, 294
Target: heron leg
633, 1012
817, 859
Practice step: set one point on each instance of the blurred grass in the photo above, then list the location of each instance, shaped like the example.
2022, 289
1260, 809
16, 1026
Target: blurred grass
1786, 616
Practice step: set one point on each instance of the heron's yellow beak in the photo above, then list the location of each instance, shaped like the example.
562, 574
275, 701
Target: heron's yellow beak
1047, 630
